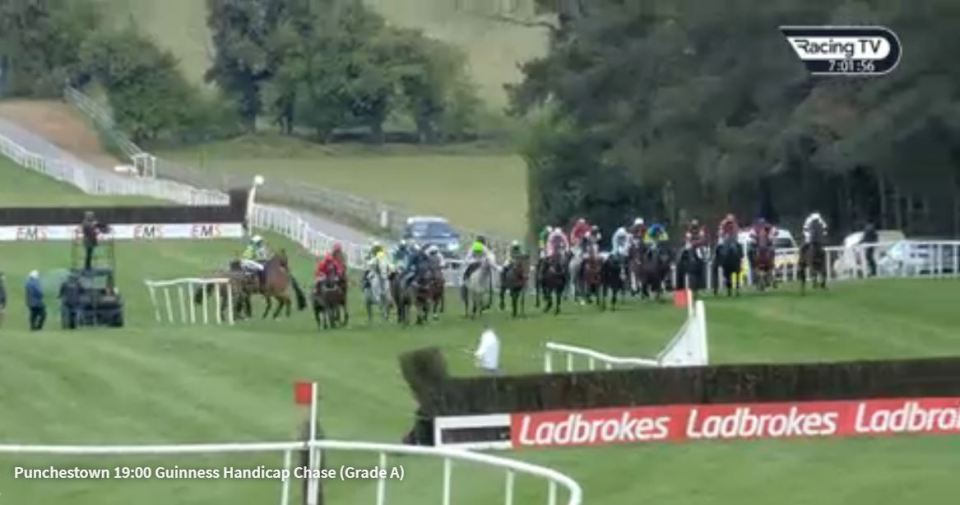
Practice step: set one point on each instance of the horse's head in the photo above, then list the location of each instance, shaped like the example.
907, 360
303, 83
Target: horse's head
235, 266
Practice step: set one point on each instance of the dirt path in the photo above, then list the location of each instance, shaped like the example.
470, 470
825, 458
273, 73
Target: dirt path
62, 125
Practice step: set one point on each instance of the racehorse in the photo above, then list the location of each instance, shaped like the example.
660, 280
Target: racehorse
613, 274
436, 288
814, 257
762, 263
728, 257
477, 290
409, 296
635, 266
329, 298
376, 289
591, 279
552, 280
654, 269
514, 278
691, 269
277, 280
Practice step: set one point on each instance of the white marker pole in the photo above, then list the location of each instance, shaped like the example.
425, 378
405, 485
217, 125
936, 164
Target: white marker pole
312, 481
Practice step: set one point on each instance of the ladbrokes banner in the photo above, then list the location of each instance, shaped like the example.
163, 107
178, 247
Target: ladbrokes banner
880, 417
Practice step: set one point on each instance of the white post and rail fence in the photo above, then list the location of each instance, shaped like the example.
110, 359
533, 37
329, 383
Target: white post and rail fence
555, 482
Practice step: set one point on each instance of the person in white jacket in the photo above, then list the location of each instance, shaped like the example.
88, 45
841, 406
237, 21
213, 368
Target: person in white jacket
487, 355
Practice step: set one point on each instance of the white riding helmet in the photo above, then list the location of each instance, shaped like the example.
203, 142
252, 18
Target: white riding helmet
515, 243
432, 249
256, 239
638, 221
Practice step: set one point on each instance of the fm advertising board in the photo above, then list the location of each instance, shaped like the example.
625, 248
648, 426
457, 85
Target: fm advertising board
691, 423
146, 231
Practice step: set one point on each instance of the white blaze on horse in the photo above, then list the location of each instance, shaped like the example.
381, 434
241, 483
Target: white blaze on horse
477, 290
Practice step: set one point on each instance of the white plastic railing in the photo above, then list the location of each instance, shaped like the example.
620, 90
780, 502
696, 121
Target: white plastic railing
593, 357
185, 288
688, 347
930, 259
555, 480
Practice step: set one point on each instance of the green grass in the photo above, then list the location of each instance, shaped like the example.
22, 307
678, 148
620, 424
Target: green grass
472, 188
154, 383
150, 383
24, 188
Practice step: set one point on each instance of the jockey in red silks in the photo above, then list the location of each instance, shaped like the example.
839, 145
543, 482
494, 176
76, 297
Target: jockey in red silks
728, 229
557, 243
579, 231
332, 264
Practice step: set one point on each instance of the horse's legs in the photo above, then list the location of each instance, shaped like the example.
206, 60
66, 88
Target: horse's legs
556, 310
503, 291
266, 310
282, 302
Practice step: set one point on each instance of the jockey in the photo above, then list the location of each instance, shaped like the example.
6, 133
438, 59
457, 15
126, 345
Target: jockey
761, 229
331, 265
580, 230
655, 235
542, 239
254, 255
638, 229
728, 229
416, 258
433, 252
516, 252
478, 251
590, 244
695, 236
620, 242
401, 254
557, 243
808, 226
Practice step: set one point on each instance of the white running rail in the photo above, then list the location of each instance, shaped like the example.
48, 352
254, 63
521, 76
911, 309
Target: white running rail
185, 306
688, 347
555, 481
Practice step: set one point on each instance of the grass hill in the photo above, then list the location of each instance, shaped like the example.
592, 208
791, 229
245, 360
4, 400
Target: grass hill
493, 49
156, 383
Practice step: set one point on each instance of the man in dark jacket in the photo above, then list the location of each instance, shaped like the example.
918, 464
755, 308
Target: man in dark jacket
869, 240
34, 297
69, 302
90, 227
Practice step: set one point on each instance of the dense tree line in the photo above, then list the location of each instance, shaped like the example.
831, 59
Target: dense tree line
49, 43
691, 108
324, 65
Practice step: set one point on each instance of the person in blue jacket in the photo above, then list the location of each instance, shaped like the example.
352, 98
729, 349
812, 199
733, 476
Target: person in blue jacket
35, 304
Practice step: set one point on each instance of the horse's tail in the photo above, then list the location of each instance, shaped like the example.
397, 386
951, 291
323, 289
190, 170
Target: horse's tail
301, 298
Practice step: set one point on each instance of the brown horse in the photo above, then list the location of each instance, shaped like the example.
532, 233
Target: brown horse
277, 280
330, 302
591, 278
552, 280
762, 263
635, 267
514, 278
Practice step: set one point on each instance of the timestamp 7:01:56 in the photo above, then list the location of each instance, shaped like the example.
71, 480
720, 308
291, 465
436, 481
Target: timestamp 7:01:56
851, 66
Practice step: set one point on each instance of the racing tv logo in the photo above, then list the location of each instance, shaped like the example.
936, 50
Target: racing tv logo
845, 50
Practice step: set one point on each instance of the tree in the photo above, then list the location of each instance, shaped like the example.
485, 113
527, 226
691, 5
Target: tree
703, 107
39, 39
148, 95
